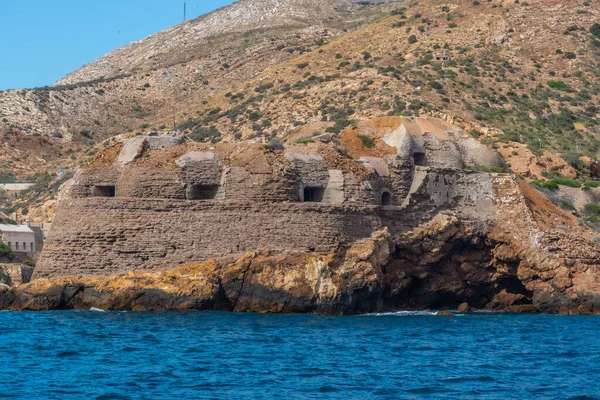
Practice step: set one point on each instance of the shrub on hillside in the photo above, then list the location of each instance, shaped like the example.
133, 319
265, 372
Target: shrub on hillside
545, 184
595, 30
592, 209
6, 251
367, 141
202, 134
340, 124
275, 144
559, 85
567, 205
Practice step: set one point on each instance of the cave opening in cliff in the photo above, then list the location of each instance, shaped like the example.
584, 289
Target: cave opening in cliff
104, 191
386, 199
420, 159
202, 192
313, 194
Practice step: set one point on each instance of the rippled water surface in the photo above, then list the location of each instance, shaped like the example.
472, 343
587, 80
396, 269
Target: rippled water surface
93, 355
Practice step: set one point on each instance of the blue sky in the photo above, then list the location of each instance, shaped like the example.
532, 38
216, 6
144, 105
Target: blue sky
43, 40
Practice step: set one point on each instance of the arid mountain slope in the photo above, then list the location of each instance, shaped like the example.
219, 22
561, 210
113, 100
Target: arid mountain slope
158, 76
178, 43
521, 72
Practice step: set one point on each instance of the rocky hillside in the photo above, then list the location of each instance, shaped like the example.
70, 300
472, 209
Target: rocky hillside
177, 44
508, 71
156, 77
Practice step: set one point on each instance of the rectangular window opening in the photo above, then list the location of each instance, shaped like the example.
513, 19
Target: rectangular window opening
104, 191
202, 192
420, 159
313, 194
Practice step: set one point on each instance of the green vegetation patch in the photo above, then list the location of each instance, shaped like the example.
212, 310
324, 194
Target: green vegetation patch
367, 141
562, 180
567, 205
340, 124
559, 85
6, 251
554, 182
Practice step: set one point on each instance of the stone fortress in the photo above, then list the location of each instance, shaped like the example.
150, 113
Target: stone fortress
203, 201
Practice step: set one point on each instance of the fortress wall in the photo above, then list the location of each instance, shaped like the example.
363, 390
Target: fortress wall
102, 236
442, 153
85, 179
357, 191
203, 172
143, 183
470, 195
476, 154
399, 183
206, 172
243, 186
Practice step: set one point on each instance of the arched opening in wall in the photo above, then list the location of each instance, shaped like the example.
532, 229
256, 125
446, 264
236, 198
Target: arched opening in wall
104, 191
202, 192
386, 199
420, 159
313, 194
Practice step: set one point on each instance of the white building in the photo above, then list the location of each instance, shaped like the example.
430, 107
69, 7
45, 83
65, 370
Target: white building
19, 238
13, 189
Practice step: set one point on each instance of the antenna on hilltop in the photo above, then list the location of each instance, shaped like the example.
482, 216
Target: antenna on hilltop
184, 11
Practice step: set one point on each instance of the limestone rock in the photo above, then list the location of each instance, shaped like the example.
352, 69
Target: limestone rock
133, 149
444, 313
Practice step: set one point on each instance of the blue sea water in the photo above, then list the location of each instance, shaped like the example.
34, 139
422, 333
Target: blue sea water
196, 355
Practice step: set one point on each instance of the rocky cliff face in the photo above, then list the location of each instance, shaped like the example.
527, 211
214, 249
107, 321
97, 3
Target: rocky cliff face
443, 264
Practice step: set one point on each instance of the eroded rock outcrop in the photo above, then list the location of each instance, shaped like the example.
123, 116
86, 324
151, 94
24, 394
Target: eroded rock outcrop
446, 263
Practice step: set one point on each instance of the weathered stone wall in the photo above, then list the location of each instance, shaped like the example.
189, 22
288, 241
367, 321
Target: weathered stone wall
97, 236
86, 179
144, 183
243, 186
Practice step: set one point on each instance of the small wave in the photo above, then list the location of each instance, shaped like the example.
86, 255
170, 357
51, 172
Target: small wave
67, 354
402, 314
94, 309
113, 396
468, 379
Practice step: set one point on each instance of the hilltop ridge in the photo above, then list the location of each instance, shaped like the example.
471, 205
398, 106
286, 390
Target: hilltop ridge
178, 43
